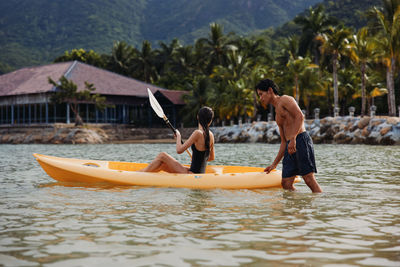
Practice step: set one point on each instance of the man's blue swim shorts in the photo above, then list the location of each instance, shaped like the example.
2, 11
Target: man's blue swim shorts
303, 161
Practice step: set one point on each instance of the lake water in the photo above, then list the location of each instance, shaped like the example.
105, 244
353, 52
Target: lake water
355, 222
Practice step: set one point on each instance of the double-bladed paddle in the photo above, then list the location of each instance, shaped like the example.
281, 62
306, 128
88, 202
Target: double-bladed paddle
160, 113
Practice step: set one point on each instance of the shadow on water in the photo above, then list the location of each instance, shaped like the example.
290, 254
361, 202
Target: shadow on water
91, 186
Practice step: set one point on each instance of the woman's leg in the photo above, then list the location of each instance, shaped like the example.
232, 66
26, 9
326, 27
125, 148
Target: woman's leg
164, 162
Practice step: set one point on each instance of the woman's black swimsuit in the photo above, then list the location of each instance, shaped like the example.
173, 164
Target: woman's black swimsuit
199, 160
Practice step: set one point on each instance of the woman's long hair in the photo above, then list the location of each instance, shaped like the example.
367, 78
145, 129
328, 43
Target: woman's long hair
205, 116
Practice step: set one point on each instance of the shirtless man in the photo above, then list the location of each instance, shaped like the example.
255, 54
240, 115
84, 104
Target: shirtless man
296, 144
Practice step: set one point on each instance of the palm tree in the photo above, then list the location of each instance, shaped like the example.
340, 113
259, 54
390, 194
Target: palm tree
239, 100
364, 48
314, 25
121, 58
183, 61
200, 58
388, 21
235, 93
254, 49
348, 83
232, 98
312, 87
197, 98
236, 67
336, 43
290, 48
296, 67
325, 81
256, 74
143, 64
88, 57
182, 69
164, 55
215, 46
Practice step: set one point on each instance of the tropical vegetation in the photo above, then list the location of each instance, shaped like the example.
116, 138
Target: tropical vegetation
67, 92
35, 32
326, 65
325, 62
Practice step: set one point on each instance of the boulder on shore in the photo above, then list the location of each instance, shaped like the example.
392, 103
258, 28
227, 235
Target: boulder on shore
339, 130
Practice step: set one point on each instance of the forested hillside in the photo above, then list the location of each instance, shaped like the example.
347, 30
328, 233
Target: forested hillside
350, 12
189, 20
35, 32
325, 62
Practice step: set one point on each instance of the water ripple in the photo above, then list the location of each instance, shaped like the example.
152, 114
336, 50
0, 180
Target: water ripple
354, 222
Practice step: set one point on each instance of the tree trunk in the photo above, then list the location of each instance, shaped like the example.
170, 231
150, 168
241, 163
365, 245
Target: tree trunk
362, 89
296, 81
390, 86
315, 50
254, 106
329, 100
78, 119
335, 82
308, 105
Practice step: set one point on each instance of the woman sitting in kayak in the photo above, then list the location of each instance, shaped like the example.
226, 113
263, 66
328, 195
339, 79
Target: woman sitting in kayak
201, 142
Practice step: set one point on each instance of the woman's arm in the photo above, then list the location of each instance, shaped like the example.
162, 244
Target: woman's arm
212, 153
180, 148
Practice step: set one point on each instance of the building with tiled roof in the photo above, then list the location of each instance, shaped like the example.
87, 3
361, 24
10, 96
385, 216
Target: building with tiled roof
25, 96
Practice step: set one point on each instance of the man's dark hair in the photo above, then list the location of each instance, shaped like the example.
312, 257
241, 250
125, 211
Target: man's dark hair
264, 85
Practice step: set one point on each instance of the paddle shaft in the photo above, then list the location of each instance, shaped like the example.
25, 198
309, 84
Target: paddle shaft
174, 131
160, 113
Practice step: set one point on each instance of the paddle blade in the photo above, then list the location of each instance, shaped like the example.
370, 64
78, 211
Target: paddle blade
155, 105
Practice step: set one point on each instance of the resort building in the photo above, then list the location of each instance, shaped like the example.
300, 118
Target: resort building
25, 97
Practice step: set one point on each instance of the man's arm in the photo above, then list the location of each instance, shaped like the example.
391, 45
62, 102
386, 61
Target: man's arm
280, 154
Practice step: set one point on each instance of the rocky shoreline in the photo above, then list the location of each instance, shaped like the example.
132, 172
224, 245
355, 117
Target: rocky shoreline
89, 134
329, 130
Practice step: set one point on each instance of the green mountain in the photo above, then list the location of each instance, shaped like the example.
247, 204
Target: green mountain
35, 32
350, 12
188, 20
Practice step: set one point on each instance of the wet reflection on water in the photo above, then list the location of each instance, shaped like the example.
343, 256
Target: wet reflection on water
354, 222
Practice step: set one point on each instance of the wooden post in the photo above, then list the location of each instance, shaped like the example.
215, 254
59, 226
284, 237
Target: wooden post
68, 120
87, 113
47, 112
12, 114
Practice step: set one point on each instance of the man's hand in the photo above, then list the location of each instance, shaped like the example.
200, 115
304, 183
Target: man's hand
269, 168
292, 146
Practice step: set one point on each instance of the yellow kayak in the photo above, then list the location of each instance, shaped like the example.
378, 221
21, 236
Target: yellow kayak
125, 173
